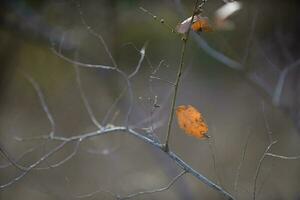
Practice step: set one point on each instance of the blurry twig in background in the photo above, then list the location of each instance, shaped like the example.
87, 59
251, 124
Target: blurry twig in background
267, 152
161, 189
281, 81
161, 20
238, 171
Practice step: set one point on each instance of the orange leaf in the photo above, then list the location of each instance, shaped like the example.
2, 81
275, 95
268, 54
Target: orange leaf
191, 121
199, 24
202, 25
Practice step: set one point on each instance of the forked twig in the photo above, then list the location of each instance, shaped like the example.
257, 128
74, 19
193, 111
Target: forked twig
238, 171
267, 153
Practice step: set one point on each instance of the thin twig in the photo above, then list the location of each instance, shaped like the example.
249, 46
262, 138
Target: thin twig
177, 81
163, 80
60, 55
211, 144
283, 157
91, 194
4, 153
257, 171
25, 153
137, 68
94, 33
127, 88
67, 158
84, 99
238, 171
32, 166
43, 103
161, 20
170, 184
264, 155
281, 82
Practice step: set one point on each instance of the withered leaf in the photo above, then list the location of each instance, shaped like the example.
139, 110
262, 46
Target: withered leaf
191, 121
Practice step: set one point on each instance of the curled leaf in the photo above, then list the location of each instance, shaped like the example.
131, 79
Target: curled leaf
199, 24
191, 121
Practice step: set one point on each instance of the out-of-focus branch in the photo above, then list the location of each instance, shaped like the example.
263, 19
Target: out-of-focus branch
43, 103
133, 195
84, 99
95, 34
267, 149
238, 171
267, 152
32, 166
171, 183
283, 157
10, 163
281, 81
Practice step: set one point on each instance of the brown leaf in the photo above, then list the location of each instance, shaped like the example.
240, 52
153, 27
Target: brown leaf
191, 121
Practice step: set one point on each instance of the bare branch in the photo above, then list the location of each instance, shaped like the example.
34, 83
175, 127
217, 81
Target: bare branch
32, 166
281, 81
94, 33
163, 80
271, 143
199, 176
84, 99
137, 68
170, 184
127, 88
283, 157
25, 153
91, 194
259, 167
111, 129
211, 144
42, 102
178, 77
80, 63
161, 20
67, 158
113, 105
4, 153
269, 132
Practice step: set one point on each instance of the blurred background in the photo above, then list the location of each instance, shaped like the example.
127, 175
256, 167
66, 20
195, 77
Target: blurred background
244, 81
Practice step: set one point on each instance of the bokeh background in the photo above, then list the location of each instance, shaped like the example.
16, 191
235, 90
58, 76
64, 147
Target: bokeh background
261, 79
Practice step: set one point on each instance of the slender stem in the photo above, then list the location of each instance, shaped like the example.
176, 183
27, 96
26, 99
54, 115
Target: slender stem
178, 78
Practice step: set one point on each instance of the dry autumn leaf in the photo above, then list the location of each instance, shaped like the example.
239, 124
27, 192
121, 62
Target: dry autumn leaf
191, 121
200, 24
